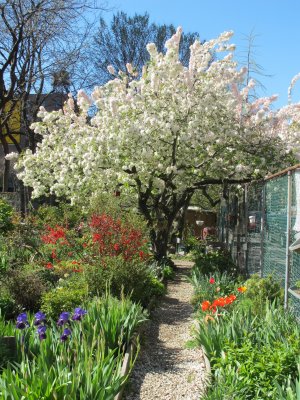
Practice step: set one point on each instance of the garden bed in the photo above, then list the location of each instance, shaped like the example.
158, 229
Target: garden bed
58, 259
252, 344
95, 346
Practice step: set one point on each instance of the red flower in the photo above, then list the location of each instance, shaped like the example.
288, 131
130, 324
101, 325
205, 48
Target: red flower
49, 265
117, 247
213, 308
96, 237
220, 302
205, 305
54, 234
212, 280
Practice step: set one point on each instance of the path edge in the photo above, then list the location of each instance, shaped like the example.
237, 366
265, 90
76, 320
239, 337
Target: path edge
126, 365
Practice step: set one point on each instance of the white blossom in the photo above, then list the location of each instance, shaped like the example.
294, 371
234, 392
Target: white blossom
111, 69
170, 128
13, 156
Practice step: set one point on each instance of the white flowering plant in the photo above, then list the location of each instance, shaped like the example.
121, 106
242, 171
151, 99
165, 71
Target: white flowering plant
162, 135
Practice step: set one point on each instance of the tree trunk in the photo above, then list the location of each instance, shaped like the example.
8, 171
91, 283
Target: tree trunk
5, 176
160, 241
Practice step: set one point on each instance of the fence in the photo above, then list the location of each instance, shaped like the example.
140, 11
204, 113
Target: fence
261, 225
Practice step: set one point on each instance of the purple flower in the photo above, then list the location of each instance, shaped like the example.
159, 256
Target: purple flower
42, 332
78, 314
39, 318
65, 335
63, 319
22, 321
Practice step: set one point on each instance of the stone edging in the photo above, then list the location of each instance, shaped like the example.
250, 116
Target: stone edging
126, 365
206, 361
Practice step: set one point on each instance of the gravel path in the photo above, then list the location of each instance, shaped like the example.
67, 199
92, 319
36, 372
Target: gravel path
165, 369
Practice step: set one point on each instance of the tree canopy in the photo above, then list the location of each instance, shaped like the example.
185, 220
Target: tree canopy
172, 131
124, 41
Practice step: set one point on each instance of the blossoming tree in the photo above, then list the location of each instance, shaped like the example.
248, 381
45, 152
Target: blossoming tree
163, 136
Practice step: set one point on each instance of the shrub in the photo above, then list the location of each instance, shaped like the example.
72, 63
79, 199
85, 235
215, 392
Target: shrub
261, 289
114, 237
62, 214
117, 208
21, 245
155, 287
215, 261
162, 269
168, 272
131, 278
63, 298
8, 307
6, 214
26, 287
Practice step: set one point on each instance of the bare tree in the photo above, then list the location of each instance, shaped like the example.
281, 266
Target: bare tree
248, 58
40, 41
125, 39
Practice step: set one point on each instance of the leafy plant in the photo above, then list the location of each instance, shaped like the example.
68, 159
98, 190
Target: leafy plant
215, 261
162, 269
248, 352
26, 287
208, 288
6, 214
62, 298
8, 307
84, 364
261, 289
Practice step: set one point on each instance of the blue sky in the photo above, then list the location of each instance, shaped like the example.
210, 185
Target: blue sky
276, 24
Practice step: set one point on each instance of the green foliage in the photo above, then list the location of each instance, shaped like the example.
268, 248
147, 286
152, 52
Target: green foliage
214, 333
193, 244
87, 366
155, 287
162, 269
247, 353
20, 245
114, 319
6, 214
260, 289
215, 261
168, 272
130, 277
26, 287
63, 214
63, 298
8, 307
258, 367
224, 285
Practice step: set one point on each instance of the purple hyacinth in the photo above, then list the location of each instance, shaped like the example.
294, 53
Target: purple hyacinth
39, 318
63, 318
65, 335
42, 332
22, 321
78, 314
